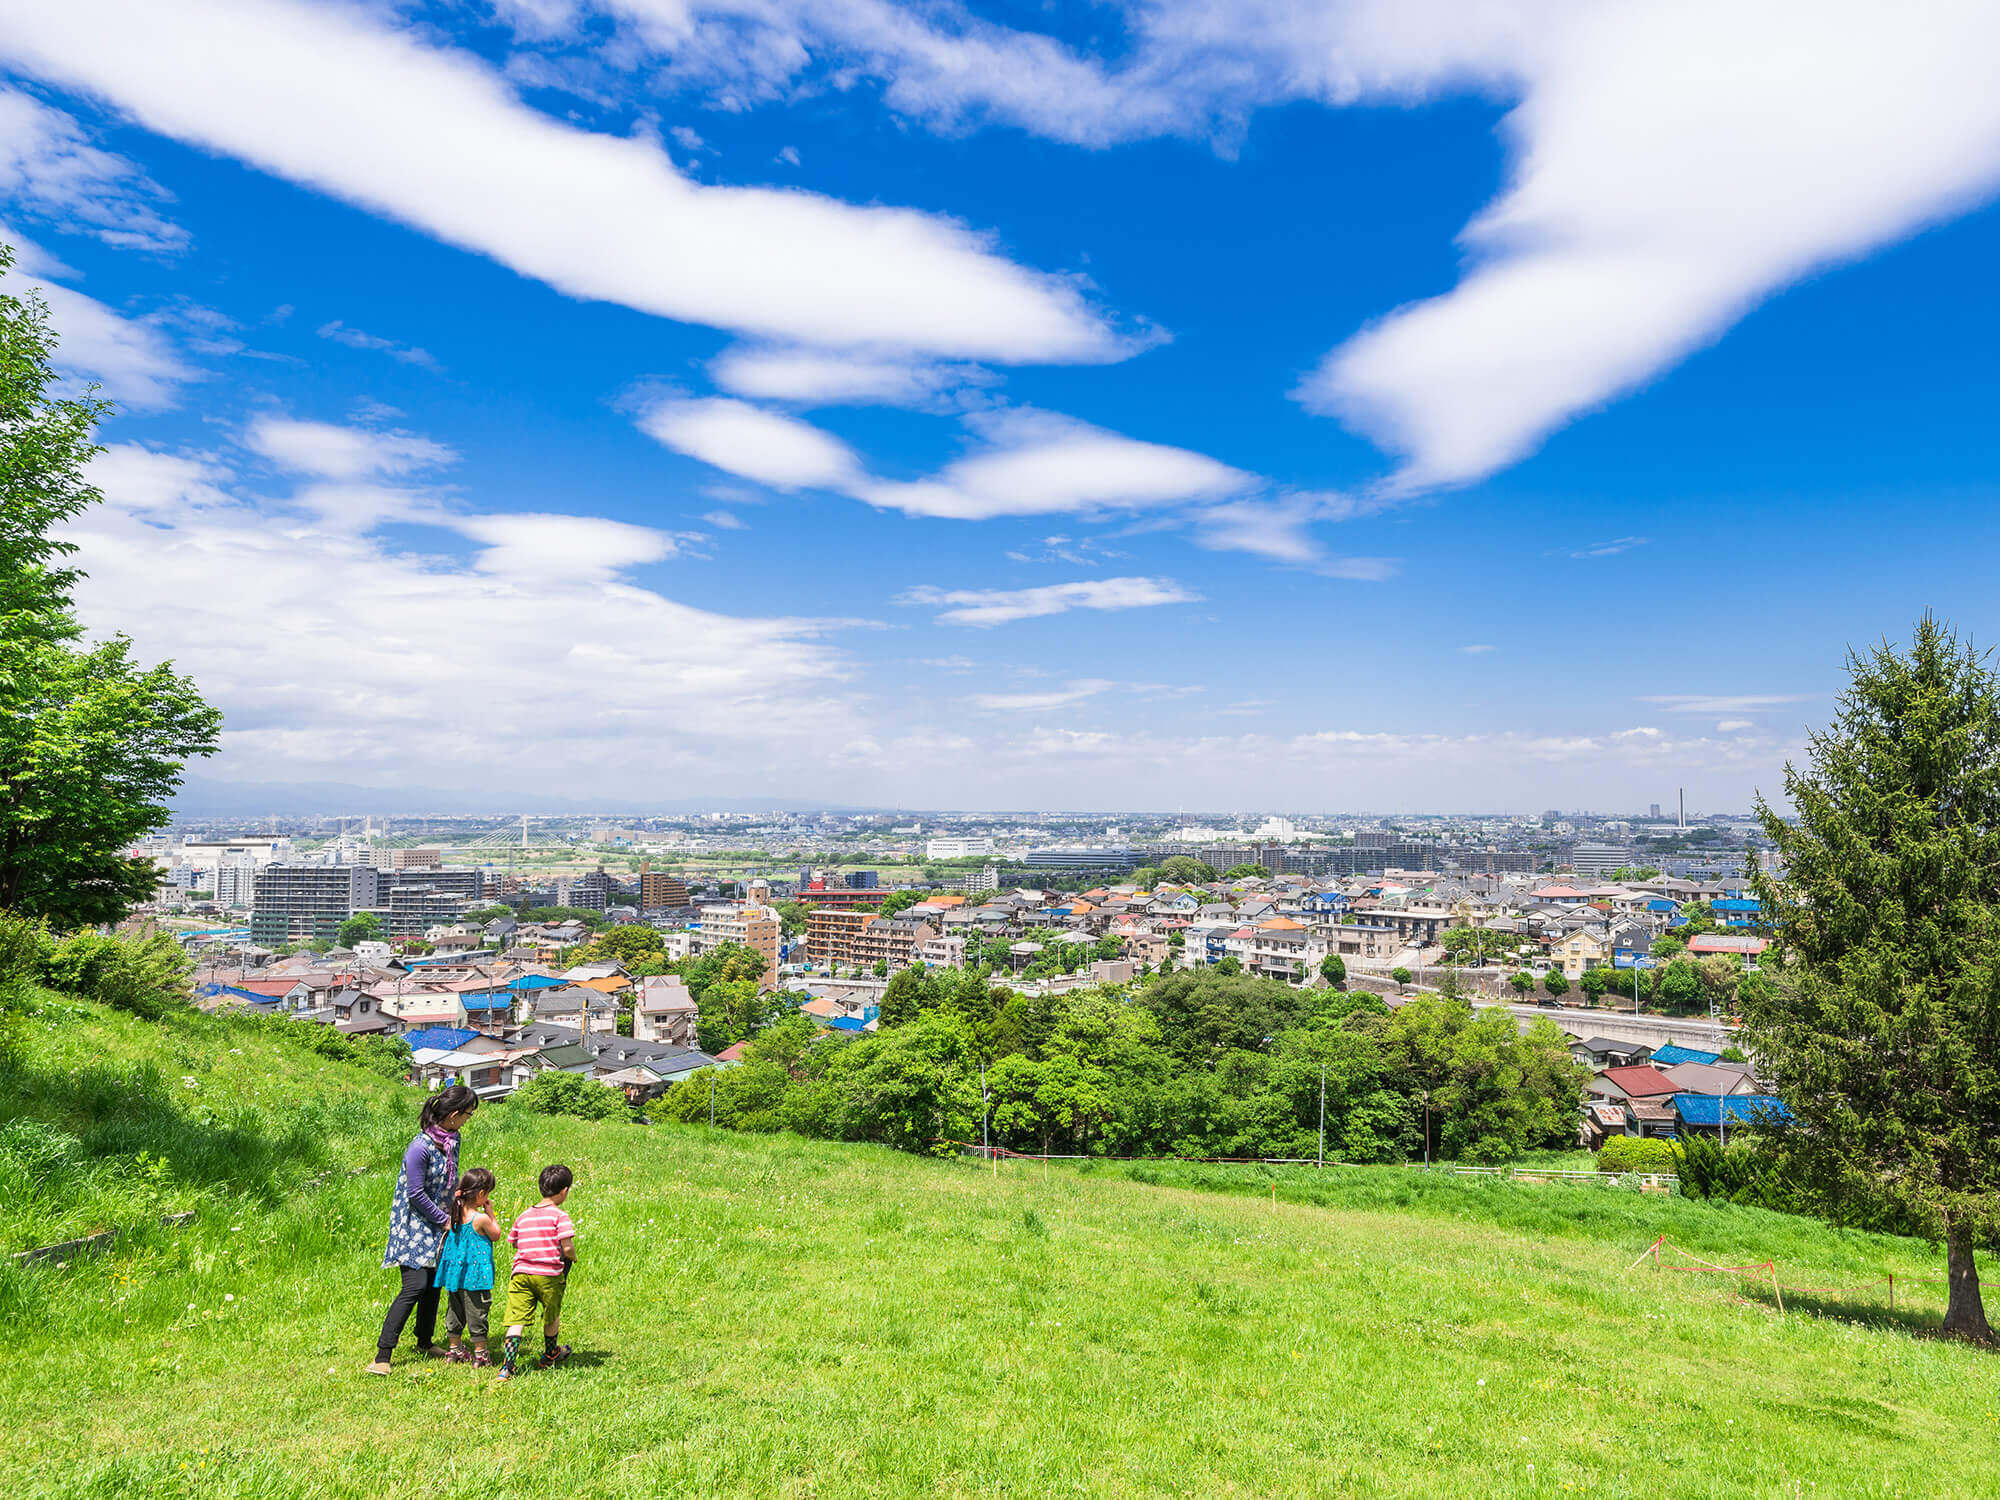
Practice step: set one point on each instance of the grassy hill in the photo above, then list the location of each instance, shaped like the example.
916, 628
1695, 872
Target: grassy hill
769, 1316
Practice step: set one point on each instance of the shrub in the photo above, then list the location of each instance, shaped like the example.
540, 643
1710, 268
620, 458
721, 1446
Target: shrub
558, 1093
146, 976
388, 1056
1631, 1153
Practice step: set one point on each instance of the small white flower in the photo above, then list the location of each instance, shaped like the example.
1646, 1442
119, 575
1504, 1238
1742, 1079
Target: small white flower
1482, 1382
231, 1297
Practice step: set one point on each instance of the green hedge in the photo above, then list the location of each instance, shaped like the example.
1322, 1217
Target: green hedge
1631, 1153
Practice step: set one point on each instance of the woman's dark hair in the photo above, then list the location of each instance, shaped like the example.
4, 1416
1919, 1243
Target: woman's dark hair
471, 1183
451, 1100
555, 1179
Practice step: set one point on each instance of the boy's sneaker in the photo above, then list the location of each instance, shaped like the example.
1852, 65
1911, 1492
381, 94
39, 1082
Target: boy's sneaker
459, 1357
550, 1361
481, 1359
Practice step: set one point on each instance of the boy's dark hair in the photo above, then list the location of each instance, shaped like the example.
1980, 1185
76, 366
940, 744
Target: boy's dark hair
471, 1183
555, 1179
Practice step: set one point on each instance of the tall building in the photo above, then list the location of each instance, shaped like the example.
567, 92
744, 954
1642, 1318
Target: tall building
1600, 859
755, 927
415, 907
591, 892
831, 931
236, 881
297, 903
659, 891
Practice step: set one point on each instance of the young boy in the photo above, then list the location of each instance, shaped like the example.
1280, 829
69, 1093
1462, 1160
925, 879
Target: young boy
544, 1242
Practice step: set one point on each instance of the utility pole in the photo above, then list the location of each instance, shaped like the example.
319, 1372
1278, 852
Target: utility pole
1322, 1115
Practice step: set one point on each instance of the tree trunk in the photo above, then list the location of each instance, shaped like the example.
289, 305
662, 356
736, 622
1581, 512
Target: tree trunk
1965, 1315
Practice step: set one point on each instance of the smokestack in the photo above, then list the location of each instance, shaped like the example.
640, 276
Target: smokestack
1684, 807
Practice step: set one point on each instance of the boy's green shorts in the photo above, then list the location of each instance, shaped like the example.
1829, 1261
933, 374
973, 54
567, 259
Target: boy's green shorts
524, 1291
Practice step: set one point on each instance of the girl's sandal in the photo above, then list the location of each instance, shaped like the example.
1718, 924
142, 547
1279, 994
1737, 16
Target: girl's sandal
550, 1361
458, 1357
481, 1360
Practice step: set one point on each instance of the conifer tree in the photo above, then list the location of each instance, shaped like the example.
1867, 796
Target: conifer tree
1881, 1031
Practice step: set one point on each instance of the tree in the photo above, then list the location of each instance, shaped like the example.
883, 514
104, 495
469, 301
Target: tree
630, 943
898, 901
793, 917
881, 968
1522, 981
362, 927
1333, 969
1593, 984
1556, 983
1229, 964
1185, 869
1881, 1028
92, 745
1402, 977
1680, 986
1246, 872
554, 1092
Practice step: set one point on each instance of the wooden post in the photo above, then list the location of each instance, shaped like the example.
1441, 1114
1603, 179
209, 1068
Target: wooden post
1892, 1291
1776, 1290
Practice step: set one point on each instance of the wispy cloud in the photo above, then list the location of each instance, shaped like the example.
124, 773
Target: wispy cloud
1072, 692
355, 338
1479, 650
989, 607
1720, 703
1611, 548
725, 520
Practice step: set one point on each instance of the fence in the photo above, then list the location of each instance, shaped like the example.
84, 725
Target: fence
1767, 1270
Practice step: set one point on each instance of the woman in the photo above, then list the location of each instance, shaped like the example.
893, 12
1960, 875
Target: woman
419, 1217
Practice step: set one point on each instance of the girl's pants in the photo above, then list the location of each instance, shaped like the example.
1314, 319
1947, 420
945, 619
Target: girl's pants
419, 1294
465, 1312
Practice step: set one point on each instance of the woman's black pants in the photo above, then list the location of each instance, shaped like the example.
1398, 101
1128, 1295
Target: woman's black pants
419, 1294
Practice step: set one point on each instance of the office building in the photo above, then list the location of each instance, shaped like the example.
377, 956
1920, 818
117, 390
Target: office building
1111, 858
966, 848
1593, 859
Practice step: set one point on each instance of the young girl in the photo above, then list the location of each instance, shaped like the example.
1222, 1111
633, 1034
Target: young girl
465, 1266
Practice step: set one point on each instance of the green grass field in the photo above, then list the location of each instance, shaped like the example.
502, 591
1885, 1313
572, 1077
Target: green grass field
770, 1316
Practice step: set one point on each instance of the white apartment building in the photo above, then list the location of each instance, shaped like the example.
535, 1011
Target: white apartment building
236, 882
958, 848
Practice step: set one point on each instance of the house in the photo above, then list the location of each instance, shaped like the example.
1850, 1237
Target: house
1602, 1119
1712, 1078
439, 1039
1673, 1053
1715, 1114
1737, 911
569, 1007
1636, 1081
1580, 950
1603, 1052
664, 1011
1743, 945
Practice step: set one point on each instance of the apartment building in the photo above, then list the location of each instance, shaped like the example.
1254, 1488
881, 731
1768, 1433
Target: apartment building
298, 903
754, 927
830, 933
942, 952
659, 891
894, 940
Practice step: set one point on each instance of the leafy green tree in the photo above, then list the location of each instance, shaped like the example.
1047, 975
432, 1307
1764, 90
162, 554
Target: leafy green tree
1522, 981
626, 944
1146, 877
1556, 983
553, 1092
1402, 977
92, 744
362, 927
1666, 946
897, 902
1881, 1031
1184, 869
1593, 984
793, 917
1246, 872
1333, 969
1680, 986
1229, 964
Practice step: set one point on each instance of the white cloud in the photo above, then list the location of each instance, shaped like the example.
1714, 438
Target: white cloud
1038, 463
725, 520
1276, 528
747, 440
1073, 692
332, 452
787, 156
133, 361
398, 666
336, 99
1730, 726
988, 607
1480, 650
819, 377
355, 338
1672, 162
1720, 703
50, 171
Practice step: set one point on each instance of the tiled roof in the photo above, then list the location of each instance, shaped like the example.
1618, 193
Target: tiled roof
1639, 1080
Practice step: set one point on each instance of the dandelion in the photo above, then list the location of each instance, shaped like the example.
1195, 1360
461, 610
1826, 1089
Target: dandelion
231, 1297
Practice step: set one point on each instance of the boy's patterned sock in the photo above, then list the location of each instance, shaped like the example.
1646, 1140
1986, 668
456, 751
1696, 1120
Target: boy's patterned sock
548, 1346
513, 1348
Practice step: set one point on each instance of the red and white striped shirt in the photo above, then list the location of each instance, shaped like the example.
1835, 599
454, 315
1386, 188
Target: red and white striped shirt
537, 1238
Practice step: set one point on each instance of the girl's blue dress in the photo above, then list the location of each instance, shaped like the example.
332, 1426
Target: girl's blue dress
465, 1264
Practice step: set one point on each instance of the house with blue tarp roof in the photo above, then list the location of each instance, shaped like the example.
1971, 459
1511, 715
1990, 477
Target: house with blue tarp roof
445, 1038
1705, 1113
538, 982
1663, 905
1673, 1053
1737, 913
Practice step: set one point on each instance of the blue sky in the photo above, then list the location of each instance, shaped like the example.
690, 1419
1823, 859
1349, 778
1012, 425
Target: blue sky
1363, 406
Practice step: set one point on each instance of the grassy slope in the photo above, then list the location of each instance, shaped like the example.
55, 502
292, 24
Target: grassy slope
772, 1316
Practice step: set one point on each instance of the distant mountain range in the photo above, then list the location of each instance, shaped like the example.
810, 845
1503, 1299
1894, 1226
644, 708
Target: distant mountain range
203, 797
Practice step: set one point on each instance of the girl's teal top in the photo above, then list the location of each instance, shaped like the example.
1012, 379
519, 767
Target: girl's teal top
465, 1264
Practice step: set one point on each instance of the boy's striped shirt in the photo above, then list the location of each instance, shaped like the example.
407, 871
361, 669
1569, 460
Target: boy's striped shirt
537, 1238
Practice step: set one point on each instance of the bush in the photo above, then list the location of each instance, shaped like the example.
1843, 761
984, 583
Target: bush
558, 1093
146, 976
1631, 1153
388, 1056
